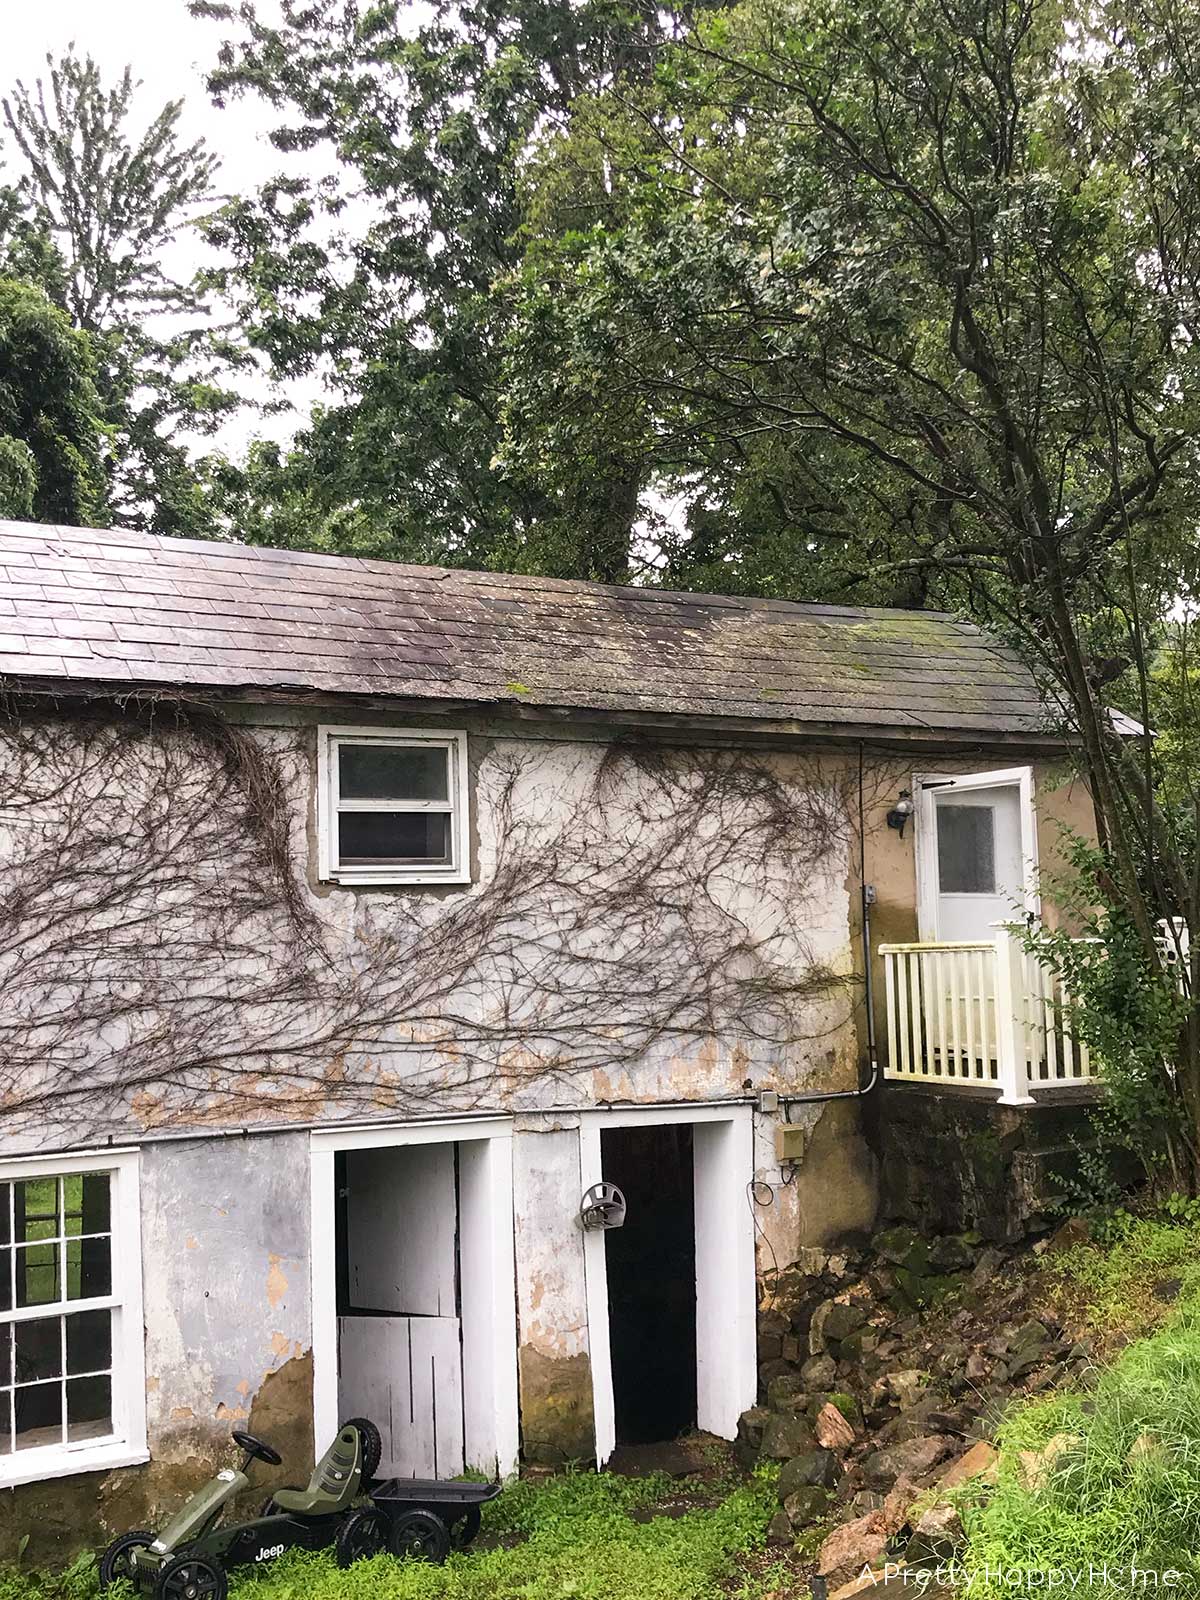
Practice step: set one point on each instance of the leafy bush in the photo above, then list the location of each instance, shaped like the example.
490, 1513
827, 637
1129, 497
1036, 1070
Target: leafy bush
1131, 1016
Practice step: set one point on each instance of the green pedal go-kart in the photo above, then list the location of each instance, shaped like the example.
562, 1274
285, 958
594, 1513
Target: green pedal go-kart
343, 1506
189, 1558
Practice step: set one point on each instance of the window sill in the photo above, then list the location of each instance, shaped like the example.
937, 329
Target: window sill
350, 879
36, 1466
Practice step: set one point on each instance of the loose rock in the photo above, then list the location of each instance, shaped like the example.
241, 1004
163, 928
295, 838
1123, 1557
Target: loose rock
782, 1390
905, 1387
786, 1436
819, 1372
979, 1461
779, 1529
935, 1538
852, 1547
805, 1506
911, 1459
814, 1469
833, 1431
1037, 1466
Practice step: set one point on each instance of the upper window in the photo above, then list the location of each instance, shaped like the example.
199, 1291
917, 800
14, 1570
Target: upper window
393, 806
72, 1391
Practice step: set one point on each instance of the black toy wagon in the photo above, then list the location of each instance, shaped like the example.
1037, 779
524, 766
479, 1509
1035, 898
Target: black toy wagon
424, 1518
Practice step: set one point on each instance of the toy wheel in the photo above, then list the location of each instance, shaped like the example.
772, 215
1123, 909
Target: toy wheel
191, 1578
422, 1535
465, 1529
117, 1561
372, 1445
363, 1535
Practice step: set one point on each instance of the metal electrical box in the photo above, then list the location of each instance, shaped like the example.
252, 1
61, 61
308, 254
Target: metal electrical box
790, 1142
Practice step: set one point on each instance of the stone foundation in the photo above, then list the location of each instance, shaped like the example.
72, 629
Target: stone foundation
955, 1163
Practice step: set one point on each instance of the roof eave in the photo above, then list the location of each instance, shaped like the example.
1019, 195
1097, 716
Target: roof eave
760, 730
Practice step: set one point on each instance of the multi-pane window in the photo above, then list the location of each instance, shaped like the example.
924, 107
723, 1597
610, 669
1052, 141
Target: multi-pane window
69, 1335
392, 806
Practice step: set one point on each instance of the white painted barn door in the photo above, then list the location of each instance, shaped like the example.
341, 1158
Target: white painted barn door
400, 1349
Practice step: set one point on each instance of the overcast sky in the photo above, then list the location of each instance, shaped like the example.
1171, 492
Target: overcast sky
169, 50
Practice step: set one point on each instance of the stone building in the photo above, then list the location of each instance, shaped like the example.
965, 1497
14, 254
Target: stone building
357, 920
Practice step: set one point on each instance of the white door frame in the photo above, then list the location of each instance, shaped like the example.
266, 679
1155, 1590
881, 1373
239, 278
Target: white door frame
925, 848
726, 1287
486, 1244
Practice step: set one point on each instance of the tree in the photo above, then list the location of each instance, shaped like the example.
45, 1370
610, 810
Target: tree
51, 430
924, 277
384, 271
115, 203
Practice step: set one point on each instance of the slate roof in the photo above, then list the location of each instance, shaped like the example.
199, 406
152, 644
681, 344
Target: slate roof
131, 609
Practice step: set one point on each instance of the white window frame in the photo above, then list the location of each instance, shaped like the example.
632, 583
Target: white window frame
329, 802
126, 1446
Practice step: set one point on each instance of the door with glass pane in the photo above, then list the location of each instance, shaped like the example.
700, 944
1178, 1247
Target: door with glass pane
976, 853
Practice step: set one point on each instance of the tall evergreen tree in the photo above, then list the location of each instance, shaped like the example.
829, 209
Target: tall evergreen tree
114, 200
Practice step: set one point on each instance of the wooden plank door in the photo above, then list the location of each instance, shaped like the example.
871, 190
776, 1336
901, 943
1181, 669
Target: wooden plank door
405, 1373
400, 1336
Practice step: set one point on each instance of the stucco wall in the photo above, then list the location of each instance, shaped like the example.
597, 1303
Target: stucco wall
553, 1353
225, 1253
625, 937
225, 1266
225, 1229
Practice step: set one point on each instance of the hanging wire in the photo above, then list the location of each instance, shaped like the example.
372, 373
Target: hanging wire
756, 1190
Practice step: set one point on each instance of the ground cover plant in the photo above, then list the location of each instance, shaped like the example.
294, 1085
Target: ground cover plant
1136, 1273
577, 1536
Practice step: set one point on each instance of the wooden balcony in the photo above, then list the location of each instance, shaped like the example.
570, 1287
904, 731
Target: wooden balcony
980, 1015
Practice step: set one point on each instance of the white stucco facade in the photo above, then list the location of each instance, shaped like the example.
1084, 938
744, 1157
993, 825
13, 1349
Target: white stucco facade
657, 931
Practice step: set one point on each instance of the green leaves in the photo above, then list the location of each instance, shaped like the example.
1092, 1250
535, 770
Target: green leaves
51, 429
430, 126
111, 202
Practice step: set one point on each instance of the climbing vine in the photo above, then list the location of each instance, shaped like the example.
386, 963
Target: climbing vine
166, 961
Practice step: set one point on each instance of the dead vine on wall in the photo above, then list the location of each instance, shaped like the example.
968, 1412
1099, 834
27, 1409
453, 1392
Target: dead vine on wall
163, 960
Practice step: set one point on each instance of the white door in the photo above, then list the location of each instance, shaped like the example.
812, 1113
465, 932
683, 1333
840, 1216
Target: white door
400, 1336
726, 1292
976, 852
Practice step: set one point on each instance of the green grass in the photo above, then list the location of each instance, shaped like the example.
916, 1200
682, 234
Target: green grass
1113, 1282
577, 1541
1105, 1503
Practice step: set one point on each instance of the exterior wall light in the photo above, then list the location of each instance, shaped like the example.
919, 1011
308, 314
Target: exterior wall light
901, 811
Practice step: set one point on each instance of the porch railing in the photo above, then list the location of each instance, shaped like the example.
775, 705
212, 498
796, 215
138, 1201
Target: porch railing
983, 1014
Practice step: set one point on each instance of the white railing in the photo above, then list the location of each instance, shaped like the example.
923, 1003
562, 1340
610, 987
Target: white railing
980, 1014
1174, 942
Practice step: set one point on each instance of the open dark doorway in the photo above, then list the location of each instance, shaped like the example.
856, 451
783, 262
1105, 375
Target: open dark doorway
651, 1264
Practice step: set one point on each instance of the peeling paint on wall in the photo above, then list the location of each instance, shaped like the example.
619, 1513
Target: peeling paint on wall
222, 1315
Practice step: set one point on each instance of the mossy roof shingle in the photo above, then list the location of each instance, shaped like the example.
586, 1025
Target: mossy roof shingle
133, 609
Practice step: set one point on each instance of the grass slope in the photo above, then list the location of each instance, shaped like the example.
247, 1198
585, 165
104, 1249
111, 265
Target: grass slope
1124, 1488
